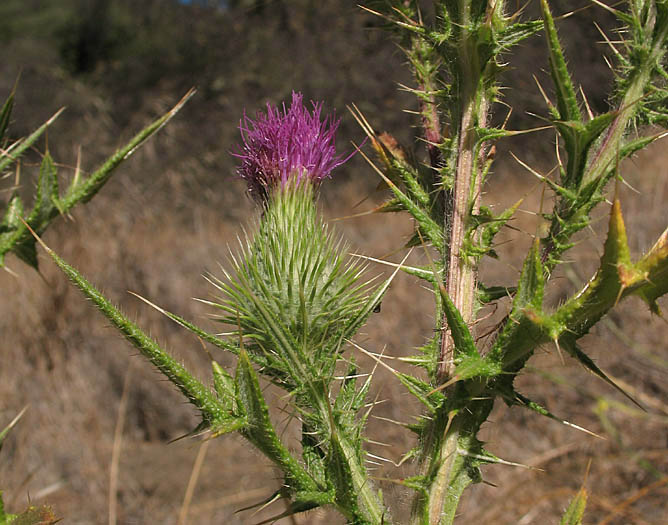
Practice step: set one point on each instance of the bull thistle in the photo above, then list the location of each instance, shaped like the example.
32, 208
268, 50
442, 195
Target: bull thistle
292, 300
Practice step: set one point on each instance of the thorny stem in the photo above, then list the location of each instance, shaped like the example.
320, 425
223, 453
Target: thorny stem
444, 463
461, 276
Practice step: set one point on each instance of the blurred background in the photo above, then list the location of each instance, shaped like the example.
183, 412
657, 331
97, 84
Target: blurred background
171, 213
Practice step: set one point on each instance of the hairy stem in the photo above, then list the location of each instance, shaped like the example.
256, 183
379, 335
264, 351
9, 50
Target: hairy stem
443, 465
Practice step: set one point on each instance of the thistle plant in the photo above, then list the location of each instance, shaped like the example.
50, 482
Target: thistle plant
293, 301
49, 202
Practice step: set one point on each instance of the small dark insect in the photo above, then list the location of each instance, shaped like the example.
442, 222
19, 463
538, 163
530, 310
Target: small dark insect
376, 308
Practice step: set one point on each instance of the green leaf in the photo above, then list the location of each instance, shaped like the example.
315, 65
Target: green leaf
567, 102
615, 273
531, 283
26, 250
579, 138
13, 214
461, 336
260, 431
199, 332
513, 397
423, 391
354, 497
519, 335
488, 294
223, 384
48, 204
252, 405
575, 511
632, 146
515, 33
47, 197
431, 230
12, 229
488, 225
470, 366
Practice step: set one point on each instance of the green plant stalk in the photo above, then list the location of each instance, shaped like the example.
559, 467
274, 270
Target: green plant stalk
445, 482
473, 99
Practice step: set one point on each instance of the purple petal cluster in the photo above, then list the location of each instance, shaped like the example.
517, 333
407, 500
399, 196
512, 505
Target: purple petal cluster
286, 144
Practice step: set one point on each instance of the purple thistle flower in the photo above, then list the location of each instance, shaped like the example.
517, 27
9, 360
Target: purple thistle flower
283, 145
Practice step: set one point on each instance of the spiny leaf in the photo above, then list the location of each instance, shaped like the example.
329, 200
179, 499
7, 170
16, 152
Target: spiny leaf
488, 225
260, 430
470, 366
515, 33
13, 215
86, 189
372, 302
423, 391
350, 398
615, 273
531, 283
47, 196
48, 204
567, 102
518, 337
630, 147
12, 229
225, 388
223, 383
616, 249
488, 294
350, 491
206, 336
461, 335
594, 127
428, 226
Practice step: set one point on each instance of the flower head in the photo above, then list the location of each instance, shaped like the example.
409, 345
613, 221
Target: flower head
286, 145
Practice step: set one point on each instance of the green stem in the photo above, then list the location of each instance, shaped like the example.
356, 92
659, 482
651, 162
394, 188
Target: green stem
442, 470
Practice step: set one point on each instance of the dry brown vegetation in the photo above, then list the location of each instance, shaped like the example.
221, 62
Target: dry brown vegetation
169, 216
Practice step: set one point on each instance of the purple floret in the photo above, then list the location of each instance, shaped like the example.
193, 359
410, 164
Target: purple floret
282, 145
